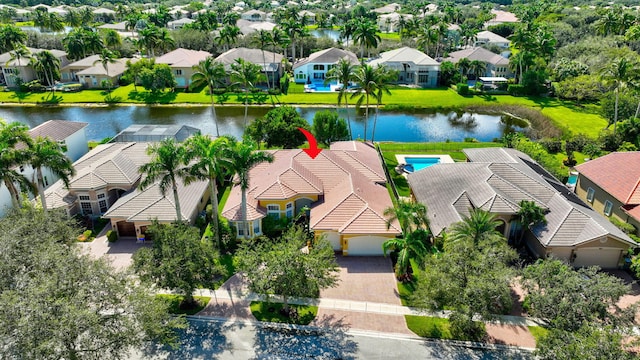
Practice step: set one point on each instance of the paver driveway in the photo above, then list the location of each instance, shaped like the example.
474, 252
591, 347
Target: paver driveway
365, 278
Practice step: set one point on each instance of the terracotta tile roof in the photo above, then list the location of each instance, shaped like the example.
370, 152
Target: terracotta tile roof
617, 173
349, 177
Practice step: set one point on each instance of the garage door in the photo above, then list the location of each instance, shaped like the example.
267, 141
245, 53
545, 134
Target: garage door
366, 245
334, 239
126, 229
605, 258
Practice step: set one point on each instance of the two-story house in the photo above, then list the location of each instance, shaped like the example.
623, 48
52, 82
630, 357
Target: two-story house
413, 66
182, 62
314, 68
611, 185
343, 189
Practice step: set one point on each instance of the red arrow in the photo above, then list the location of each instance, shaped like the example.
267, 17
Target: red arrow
313, 150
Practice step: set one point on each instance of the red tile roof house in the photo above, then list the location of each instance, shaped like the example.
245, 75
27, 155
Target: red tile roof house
345, 188
611, 185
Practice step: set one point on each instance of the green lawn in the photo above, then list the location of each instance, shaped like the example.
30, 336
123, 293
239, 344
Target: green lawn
175, 300
565, 115
429, 327
538, 332
270, 312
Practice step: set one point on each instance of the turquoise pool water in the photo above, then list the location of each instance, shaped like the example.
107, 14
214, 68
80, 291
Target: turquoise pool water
573, 179
419, 163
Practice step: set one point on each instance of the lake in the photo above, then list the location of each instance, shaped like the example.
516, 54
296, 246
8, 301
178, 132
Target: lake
415, 126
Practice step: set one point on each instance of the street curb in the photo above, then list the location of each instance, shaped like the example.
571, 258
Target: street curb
318, 330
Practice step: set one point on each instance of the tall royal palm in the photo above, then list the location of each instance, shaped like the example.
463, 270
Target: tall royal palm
19, 54
210, 73
620, 74
11, 37
44, 152
365, 87
244, 156
383, 78
366, 35
210, 160
464, 65
166, 166
247, 75
262, 39
477, 68
10, 158
343, 73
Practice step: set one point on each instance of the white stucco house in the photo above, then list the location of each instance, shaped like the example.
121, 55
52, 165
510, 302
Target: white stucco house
70, 135
315, 67
413, 66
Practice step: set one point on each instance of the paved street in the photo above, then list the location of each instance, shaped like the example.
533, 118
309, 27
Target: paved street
224, 339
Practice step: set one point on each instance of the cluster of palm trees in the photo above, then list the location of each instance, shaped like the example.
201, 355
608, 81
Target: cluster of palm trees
476, 68
202, 158
369, 82
18, 149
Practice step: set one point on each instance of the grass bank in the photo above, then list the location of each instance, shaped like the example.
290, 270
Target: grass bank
565, 115
270, 312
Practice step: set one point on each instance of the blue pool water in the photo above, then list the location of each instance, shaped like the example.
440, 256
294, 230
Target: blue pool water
416, 164
573, 179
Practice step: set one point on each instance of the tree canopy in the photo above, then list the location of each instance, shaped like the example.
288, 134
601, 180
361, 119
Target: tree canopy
279, 128
56, 303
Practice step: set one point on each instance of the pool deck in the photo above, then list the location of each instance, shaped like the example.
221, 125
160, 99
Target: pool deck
444, 159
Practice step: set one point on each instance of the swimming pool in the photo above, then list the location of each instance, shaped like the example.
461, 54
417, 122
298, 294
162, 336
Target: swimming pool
413, 163
573, 179
418, 163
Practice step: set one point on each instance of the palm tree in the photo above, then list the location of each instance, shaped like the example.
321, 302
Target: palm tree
210, 73
477, 68
247, 74
411, 246
10, 158
167, 165
366, 85
480, 225
621, 73
411, 215
464, 65
19, 53
343, 73
148, 39
165, 42
279, 40
262, 39
347, 30
44, 152
112, 39
210, 160
366, 34
383, 78
106, 57
529, 215
12, 37
74, 44
244, 157
47, 64
228, 36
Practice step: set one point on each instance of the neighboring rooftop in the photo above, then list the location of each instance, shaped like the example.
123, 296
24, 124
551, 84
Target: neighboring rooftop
152, 133
182, 58
477, 53
57, 130
496, 180
328, 56
255, 56
617, 173
404, 54
491, 37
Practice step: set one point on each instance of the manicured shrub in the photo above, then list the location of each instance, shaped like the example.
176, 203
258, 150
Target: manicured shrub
88, 234
112, 236
463, 89
516, 90
553, 146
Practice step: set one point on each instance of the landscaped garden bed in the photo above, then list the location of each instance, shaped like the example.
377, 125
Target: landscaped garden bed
274, 312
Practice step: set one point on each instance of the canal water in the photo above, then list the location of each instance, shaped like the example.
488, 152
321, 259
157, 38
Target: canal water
415, 126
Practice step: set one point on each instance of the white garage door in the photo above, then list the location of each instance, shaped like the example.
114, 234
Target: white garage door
605, 258
334, 239
366, 245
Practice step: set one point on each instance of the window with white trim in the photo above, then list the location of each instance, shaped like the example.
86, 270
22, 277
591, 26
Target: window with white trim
608, 206
590, 194
102, 202
85, 204
273, 210
240, 226
289, 210
256, 227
